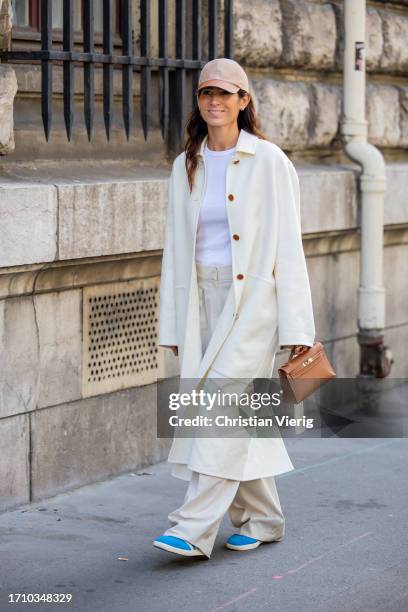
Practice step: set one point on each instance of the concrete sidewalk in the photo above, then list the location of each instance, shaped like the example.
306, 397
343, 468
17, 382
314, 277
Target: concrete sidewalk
346, 545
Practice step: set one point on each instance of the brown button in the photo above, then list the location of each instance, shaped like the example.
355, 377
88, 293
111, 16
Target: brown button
235, 237
230, 197
240, 276
236, 161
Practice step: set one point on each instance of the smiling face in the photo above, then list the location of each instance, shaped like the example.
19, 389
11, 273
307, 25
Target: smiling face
219, 107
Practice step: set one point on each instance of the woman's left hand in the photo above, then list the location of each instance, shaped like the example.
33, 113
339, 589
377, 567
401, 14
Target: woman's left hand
296, 349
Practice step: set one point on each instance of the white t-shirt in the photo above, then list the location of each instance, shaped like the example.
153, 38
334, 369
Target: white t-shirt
213, 243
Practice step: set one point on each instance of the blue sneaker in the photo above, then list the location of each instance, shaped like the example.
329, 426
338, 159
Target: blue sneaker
242, 542
177, 546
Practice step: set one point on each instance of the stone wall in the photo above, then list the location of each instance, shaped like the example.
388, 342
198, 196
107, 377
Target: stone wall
292, 51
309, 34
298, 45
6, 23
56, 432
8, 84
54, 435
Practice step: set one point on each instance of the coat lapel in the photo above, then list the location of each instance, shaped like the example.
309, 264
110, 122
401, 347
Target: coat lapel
246, 143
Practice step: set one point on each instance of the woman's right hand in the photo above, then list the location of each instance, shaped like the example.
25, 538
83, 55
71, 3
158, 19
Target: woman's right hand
173, 348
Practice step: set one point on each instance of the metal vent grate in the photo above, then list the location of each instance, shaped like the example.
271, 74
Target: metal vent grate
120, 336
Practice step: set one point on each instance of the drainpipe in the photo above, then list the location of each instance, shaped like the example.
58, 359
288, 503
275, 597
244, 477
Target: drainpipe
375, 358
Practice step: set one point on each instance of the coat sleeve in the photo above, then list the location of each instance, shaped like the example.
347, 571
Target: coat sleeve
167, 327
295, 310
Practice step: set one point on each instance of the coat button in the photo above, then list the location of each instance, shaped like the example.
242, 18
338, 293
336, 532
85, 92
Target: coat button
230, 197
240, 276
235, 237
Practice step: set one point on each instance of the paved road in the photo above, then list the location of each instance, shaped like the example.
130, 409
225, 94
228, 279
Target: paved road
346, 544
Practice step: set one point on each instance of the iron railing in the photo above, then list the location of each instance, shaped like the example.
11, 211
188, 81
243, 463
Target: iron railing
172, 108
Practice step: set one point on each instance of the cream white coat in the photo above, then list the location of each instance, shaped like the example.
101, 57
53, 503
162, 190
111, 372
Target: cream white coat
269, 303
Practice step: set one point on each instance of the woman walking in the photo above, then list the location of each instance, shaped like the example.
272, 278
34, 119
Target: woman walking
234, 288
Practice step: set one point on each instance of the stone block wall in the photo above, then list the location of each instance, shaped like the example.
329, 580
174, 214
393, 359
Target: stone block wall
8, 89
293, 53
294, 49
8, 84
56, 431
54, 434
309, 34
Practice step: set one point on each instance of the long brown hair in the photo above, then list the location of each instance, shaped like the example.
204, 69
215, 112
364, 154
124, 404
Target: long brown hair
197, 129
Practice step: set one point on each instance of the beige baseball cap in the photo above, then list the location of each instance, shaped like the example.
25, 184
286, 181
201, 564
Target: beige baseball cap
224, 73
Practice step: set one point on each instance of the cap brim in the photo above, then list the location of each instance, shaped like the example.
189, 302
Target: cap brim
222, 84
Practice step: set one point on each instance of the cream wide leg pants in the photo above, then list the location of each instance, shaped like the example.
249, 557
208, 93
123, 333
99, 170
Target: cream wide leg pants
253, 505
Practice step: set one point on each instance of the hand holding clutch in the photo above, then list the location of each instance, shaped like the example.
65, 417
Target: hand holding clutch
295, 348
305, 371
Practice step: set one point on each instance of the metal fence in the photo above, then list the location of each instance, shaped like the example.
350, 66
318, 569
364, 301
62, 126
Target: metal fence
172, 108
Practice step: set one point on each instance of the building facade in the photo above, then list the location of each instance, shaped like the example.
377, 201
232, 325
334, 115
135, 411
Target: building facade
82, 221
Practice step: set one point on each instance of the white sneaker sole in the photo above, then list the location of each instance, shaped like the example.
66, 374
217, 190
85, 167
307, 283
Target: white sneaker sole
178, 551
244, 546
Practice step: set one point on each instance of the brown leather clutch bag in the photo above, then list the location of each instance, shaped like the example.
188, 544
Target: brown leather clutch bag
304, 373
